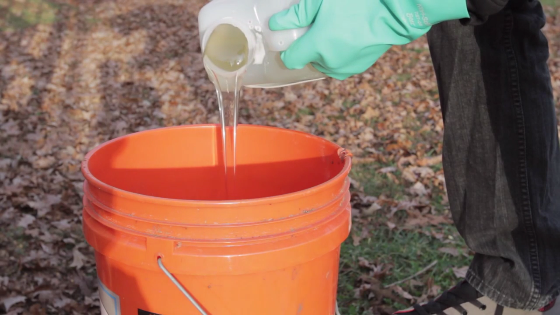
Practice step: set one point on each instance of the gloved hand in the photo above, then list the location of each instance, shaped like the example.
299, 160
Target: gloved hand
348, 36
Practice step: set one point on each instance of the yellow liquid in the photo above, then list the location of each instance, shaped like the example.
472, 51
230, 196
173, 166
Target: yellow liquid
227, 49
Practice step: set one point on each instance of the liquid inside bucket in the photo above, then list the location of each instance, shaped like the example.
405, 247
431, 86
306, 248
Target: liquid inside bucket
187, 163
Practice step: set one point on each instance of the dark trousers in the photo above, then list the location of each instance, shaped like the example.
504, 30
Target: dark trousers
501, 153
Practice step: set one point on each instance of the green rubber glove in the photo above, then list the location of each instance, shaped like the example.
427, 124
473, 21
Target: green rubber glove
348, 36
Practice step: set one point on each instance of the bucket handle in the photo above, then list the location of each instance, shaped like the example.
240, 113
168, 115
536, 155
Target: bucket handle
180, 287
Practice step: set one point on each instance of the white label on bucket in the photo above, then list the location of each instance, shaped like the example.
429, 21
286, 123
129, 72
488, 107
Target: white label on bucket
103, 310
110, 302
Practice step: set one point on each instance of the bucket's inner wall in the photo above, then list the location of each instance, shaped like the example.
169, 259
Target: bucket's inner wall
187, 163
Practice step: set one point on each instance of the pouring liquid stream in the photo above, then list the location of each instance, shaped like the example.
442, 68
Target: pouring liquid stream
225, 57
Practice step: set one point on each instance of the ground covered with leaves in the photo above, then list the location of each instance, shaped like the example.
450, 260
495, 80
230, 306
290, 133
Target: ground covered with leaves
74, 74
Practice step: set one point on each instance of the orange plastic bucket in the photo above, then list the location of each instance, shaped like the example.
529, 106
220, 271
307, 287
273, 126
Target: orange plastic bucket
271, 247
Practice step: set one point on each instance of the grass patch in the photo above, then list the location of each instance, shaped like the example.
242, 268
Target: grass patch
408, 252
553, 3
376, 183
22, 14
404, 77
401, 252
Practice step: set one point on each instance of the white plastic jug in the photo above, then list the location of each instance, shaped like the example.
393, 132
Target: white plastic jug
264, 69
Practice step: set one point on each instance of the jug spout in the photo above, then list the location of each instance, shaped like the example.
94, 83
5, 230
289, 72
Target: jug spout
228, 49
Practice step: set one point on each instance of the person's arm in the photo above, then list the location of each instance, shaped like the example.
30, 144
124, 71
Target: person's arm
348, 36
480, 10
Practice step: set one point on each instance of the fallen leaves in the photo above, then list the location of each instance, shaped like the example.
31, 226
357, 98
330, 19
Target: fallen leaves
417, 220
12, 300
460, 272
10, 128
44, 205
370, 113
78, 259
44, 162
430, 161
418, 189
357, 238
400, 291
378, 271
62, 224
109, 68
388, 169
451, 251
37, 309
371, 288
372, 209
25, 221
413, 173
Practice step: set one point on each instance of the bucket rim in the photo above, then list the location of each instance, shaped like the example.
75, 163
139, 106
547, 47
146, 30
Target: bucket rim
90, 178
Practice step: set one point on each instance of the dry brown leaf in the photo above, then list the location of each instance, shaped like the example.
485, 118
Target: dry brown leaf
11, 128
11, 301
47, 248
25, 221
78, 259
413, 173
62, 302
43, 206
372, 209
424, 172
44, 162
403, 161
370, 113
358, 238
449, 250
460, 272
409, 175
434, 290
62, 224
375, 286
37, 309
400, 291
419, 189
393, 178
388, 169
430, 161
425, 220
362, 262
